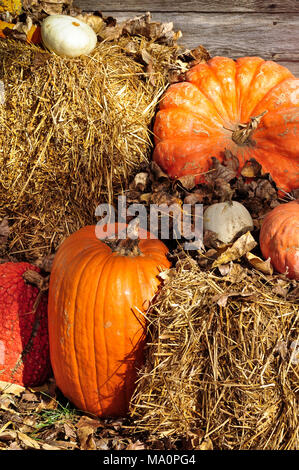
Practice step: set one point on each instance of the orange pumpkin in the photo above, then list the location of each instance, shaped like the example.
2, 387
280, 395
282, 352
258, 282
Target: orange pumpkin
249, 106
279, 238
97, 330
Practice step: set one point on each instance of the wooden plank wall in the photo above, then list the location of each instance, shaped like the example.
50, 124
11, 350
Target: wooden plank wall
269, 29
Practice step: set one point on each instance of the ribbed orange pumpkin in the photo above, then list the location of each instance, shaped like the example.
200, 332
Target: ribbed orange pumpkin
249, 106
97, 298
279, 238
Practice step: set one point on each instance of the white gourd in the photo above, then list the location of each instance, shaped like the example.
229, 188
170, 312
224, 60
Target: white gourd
227, 220
67, 36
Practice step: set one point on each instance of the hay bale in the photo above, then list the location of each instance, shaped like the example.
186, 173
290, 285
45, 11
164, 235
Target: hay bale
72, 132
219, 362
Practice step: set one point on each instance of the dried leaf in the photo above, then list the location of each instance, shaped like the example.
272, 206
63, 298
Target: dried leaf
45, 264
195, 56
102, 444
199, 54
210, 239
294, 295
164, 275
11, 388
146, 57
55, 7
39, 59
251, 169
259, 264
138, 445
188, 181
281, 288
69, 431
46, 446
111, 33
96, 22
176, 75
27, 396
225, 269
141, 26
193, 440
151, 73
166, 199
61, 445
140, 181
86, 421
212, 253
294, 347
156, 172
6, 401
226, 171
27, 4
145, 198
49, 388
29, 425
4, 231
86, 428
86, 439
265, 191
196, 197
27, 441
281, 349
233, 272
117, 444
131, 48
223, 190
206, 444
222, 299
117, 424
7, 435
239, 248
14, 34
15, 446
47, 404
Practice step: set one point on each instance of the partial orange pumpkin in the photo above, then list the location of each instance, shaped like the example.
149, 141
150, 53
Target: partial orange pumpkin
279, 238
249, 106
97, 329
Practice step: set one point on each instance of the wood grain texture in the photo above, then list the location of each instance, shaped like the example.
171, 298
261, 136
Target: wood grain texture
229, 28
218, 6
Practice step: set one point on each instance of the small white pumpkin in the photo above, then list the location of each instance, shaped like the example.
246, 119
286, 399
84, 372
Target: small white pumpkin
227, 220
67, 36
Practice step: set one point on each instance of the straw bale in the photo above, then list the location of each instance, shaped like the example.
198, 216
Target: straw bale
72, 132
219, 361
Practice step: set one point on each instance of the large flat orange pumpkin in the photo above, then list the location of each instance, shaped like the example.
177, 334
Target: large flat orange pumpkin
249, 106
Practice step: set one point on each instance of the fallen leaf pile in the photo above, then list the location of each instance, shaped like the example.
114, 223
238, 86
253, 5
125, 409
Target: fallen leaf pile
255, 190
41, 418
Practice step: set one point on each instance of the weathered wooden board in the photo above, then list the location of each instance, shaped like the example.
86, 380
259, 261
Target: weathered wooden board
231, 28
199, 6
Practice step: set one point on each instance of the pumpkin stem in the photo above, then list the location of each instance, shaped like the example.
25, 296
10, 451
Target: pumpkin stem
127, 246
242, 135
